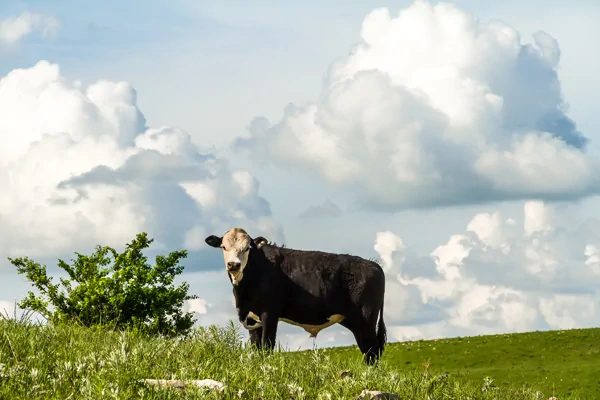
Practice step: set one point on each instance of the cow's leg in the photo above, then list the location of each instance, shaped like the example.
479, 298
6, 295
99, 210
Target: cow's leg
363, 327
371, 346
367, 343
269, 329
255, 337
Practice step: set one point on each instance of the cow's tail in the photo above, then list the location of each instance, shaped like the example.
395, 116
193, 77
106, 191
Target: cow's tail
381, 331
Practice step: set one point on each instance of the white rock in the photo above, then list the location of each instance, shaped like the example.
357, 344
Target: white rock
378, 395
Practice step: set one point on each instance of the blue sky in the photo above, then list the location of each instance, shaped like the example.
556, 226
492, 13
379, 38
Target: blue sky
210, 68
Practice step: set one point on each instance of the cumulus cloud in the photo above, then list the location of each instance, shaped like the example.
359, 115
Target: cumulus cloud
324, 210
497, 276
434, 108
13, 29
197, 306
79, 167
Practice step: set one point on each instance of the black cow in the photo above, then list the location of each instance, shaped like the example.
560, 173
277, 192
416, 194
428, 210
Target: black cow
310, 289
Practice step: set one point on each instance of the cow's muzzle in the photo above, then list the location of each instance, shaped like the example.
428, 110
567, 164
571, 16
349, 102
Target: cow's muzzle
233, 266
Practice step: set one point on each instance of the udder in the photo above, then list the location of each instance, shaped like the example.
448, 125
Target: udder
314, 330
252, 322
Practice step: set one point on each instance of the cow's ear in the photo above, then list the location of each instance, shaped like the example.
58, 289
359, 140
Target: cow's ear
260, 242
214, 241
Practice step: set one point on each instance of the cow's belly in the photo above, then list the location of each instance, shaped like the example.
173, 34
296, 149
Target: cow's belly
253, 322
315, 329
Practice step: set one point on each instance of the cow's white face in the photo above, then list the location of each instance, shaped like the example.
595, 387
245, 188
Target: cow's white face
235, 244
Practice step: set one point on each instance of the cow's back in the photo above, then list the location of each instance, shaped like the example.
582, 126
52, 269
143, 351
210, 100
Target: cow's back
324, 283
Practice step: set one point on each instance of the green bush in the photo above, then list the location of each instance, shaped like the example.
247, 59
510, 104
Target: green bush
108, 289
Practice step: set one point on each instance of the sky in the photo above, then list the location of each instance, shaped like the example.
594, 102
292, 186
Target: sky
455, 142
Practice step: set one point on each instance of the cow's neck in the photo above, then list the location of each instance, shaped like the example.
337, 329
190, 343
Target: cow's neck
254, 274
235, 280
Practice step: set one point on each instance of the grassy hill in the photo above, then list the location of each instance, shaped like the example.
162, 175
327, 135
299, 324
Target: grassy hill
39, 362
561, 362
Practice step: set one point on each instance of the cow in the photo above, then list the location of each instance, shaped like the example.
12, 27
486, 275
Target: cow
307, 288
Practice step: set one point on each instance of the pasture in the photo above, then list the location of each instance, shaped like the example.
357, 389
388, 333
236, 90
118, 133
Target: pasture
563, 362
67, 362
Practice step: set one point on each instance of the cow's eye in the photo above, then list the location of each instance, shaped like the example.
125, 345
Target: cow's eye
223, 247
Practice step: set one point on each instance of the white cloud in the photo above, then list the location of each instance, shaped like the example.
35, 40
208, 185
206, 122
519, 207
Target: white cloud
198, 306
435, 108
13, 29
79, 167
496, 277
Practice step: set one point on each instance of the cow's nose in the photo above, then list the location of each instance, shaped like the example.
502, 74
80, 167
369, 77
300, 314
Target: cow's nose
233, 266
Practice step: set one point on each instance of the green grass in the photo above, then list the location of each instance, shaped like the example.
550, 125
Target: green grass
560, 362
38, 362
